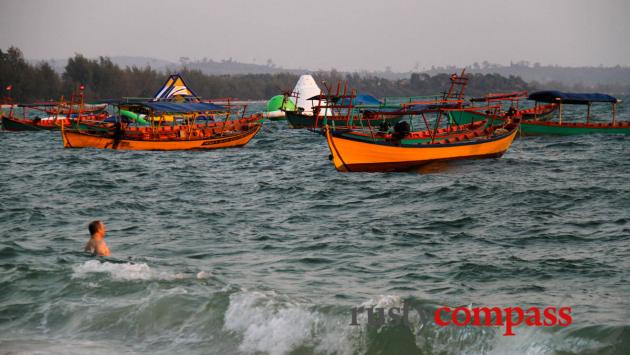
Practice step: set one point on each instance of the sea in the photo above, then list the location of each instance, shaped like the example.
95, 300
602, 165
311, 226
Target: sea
267, 249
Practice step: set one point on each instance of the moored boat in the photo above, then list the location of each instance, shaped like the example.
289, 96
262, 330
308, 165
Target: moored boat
343, 109
567, 126
54, 123
202, 139
493, 109
50, 116
547, 116
351, 154
184, 134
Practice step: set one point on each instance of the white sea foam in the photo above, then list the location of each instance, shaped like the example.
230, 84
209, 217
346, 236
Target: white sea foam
272, 324
202, 275
384, 301
122, 271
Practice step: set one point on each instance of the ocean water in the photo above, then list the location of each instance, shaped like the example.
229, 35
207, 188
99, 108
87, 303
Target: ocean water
266, 249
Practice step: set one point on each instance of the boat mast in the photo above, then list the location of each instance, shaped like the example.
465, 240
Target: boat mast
81, 88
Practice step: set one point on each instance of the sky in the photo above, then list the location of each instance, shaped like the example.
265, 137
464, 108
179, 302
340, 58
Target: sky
324, 34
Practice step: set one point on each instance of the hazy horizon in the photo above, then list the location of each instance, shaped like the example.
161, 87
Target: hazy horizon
348, 36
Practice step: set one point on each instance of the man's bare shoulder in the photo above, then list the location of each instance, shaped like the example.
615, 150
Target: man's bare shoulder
100, 248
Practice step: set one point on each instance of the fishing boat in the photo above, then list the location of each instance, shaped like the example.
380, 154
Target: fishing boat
50, 116
442, 139
350, 154
569, 125
547, 116
188, 129
494, 110
313, 108
342, 109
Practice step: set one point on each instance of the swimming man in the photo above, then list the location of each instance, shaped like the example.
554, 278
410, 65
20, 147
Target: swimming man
96, 245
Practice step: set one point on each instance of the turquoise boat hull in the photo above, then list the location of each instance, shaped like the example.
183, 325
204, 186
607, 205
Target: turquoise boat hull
550, 128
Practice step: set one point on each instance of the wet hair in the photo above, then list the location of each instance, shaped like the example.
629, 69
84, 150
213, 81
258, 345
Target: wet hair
95, 226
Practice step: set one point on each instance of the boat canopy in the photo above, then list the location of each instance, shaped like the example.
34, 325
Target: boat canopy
362, 99
358, 100
181, 107
552, 96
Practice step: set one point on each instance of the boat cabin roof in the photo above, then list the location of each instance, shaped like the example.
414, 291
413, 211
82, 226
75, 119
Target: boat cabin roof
180, 107
357, 100
553, 96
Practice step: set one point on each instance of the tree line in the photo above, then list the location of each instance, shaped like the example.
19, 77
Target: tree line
103, 79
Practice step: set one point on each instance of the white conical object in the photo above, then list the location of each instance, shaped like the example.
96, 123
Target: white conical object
306, 88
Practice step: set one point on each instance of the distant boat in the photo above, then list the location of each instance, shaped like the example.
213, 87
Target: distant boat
547, 117
543, 126
294, 101
341, 108
51, 116
184, 132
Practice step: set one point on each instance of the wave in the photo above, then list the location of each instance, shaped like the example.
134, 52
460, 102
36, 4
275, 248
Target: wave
129, 271
275, 325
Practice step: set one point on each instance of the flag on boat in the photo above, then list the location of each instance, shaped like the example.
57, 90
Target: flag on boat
175, 88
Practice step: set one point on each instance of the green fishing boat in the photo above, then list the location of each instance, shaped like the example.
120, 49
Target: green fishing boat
542, 126
343, 110
547, 117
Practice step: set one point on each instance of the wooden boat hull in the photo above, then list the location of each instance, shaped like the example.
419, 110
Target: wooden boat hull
540, 113
297, 120
15, 125
536, 128
78, 139
552, 128
355, 155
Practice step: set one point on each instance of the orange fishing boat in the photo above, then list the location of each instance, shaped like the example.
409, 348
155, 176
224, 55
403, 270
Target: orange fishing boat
50, 116
352, 154
182, 132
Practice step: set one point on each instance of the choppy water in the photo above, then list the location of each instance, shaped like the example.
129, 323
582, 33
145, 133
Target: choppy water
265, 249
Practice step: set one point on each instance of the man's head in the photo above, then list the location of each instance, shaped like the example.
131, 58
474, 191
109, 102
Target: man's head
96, 227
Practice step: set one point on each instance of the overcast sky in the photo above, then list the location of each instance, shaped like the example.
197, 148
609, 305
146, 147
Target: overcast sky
324, 34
